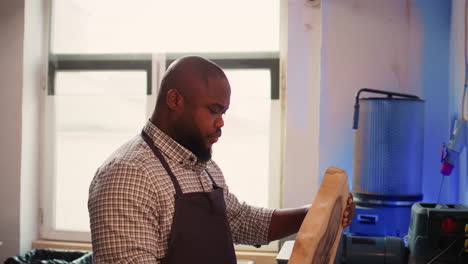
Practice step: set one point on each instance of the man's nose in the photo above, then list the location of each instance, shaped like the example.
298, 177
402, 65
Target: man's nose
219, 122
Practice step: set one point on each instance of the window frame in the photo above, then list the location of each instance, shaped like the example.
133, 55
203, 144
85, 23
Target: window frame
98, 62
257, 60
154, 70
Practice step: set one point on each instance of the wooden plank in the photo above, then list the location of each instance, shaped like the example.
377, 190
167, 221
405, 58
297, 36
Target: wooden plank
319, 235
61, 245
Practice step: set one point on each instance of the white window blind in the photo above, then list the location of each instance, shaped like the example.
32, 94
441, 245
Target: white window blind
149, 26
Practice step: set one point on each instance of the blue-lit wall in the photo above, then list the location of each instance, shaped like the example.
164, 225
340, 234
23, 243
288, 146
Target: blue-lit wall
403, 46
459, 179
436, 17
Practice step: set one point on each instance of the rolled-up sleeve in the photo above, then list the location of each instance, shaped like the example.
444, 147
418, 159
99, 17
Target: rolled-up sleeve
249, 224
123, 219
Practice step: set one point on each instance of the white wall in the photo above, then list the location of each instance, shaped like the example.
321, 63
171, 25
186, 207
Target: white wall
334, 50
399, 45
459, 178
435, 16
34, 67
21, 69
11, 76
407, 46
366, 44
302, 104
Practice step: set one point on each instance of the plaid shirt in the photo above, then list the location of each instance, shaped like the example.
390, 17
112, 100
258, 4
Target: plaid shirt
131, 201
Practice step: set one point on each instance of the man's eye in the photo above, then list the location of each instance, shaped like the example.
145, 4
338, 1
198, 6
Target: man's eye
213, 112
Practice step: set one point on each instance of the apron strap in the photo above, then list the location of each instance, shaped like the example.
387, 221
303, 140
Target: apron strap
158, 154
212, 180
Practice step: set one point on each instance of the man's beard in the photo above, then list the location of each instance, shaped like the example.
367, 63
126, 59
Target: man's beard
193, 141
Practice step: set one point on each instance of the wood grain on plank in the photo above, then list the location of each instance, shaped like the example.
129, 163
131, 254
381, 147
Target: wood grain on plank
319, 235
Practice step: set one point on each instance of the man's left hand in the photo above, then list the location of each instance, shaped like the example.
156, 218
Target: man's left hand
348, 213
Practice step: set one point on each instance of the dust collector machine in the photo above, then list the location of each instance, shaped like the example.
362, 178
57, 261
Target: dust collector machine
388, 152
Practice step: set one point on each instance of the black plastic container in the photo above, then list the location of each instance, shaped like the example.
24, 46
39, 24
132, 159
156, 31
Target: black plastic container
52, 256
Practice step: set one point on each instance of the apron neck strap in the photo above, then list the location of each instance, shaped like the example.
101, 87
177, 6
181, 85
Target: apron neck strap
161, 158
212, 180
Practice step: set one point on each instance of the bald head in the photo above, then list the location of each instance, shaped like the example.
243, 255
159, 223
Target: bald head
192, 99
183, 73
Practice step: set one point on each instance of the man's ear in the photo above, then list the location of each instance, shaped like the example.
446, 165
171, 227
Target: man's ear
174, 99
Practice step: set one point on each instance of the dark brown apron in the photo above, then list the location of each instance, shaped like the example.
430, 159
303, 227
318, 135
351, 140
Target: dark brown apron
200, 231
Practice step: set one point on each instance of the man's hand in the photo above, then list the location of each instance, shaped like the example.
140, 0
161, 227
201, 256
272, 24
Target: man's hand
348, 213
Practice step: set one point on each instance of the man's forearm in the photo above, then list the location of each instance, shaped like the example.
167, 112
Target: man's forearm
285, 222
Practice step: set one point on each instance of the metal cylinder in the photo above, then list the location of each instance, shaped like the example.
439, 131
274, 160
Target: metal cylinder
375, 250
388, 150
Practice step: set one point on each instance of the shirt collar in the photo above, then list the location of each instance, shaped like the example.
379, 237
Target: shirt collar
173, 150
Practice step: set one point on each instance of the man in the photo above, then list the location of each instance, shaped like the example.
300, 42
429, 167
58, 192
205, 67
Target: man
161, 199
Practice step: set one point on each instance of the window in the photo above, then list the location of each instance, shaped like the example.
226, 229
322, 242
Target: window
103, 86
94, 104
149, 26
